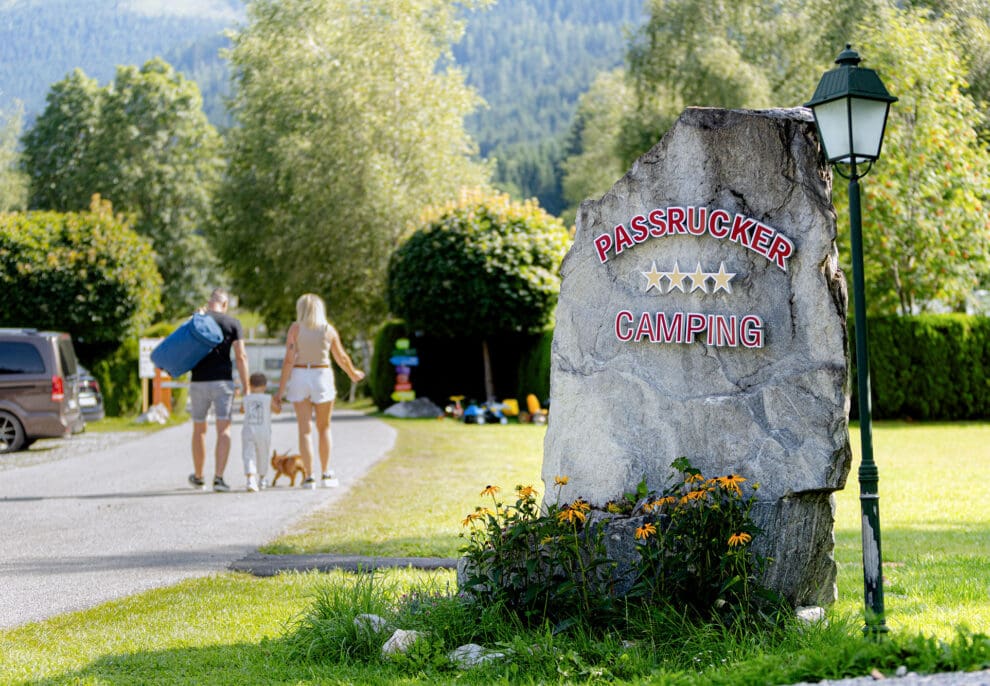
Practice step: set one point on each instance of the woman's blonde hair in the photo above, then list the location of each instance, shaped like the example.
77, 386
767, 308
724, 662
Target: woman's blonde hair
311, 312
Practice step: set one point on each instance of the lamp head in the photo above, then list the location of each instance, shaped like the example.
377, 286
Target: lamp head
850, 106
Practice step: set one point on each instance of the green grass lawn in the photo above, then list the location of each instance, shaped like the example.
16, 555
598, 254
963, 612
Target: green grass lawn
230, 628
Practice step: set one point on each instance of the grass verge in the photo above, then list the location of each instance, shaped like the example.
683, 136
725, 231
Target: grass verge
232, 629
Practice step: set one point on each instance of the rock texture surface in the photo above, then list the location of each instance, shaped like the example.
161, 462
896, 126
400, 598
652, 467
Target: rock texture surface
769, 402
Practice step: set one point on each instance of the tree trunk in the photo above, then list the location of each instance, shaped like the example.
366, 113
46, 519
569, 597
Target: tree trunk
489, 382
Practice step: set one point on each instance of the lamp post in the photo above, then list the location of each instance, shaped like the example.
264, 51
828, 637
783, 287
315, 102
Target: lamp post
850, 107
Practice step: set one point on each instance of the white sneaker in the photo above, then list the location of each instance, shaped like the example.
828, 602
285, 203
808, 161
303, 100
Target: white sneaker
263, 484
252, 484
330, 480
309, 483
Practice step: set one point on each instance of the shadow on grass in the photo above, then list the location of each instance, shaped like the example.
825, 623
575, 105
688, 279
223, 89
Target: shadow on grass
236, 664
437, 545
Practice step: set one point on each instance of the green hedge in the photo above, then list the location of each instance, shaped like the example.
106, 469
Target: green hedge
928, 367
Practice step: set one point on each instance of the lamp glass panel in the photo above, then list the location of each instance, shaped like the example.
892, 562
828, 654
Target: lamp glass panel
833, 124
868, 117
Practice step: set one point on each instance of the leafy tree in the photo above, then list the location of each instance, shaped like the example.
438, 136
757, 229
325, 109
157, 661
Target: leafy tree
86, 272
60, 153
593, 163
478, 267
13, 184
740, 54
925, 232
347, 130
145, 144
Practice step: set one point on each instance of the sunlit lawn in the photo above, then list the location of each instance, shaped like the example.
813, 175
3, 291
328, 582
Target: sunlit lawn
935, 517
935, 527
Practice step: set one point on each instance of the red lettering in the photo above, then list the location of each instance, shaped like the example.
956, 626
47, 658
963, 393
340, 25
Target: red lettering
696, 218
722, 331
740, 225
696, 323
761, 238
622, 239
716, 223
602, 245
751, 328
624, 317
675, 220
658, 222
640, 230
671, 331
780, 250
646, 329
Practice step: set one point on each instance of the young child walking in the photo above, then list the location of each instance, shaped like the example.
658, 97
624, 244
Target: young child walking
256, 434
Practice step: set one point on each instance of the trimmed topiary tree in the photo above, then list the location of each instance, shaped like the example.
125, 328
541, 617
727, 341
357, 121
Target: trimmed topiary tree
86, 273
478, 267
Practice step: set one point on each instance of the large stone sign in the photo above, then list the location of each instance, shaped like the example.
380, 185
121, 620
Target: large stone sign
702, 314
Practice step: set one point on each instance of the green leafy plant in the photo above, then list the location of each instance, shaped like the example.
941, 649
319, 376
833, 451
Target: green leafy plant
540, 566
694, 545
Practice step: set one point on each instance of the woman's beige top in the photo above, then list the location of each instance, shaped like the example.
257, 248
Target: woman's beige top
313, 346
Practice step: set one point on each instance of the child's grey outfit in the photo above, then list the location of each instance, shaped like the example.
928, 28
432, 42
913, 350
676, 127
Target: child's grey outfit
256, 434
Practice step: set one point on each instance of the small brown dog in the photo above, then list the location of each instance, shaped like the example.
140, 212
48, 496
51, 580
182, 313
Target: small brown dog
289, 465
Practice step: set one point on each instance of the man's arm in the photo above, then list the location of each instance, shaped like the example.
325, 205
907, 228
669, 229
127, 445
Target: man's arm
240, 358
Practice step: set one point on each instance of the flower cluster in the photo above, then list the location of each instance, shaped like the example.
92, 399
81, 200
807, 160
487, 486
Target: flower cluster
538, 564
694, 543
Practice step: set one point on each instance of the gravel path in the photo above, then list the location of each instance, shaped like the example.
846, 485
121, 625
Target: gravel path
102, 516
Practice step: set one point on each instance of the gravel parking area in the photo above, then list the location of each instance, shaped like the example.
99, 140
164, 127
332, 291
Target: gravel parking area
55, 449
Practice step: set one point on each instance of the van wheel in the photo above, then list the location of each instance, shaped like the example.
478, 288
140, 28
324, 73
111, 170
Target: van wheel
11, 433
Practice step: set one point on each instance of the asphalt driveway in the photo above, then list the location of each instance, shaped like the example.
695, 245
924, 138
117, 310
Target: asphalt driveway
85, 528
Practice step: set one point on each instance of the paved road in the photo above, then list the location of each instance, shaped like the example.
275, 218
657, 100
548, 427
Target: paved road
81, 527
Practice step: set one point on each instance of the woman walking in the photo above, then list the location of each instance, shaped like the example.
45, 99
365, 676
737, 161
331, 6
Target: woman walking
307, 381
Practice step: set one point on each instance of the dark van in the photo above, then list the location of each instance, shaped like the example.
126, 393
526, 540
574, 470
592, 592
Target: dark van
39, 389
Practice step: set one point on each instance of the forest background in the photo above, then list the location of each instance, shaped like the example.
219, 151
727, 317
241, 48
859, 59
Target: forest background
316, 133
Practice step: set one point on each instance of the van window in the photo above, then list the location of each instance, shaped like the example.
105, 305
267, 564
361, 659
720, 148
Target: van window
67, 355
20, 358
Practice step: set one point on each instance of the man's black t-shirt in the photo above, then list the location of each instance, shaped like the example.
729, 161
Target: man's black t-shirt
217, 365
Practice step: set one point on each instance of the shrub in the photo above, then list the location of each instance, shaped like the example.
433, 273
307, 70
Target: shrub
538, 566
928, 367
87, 273
552, 565
694, 546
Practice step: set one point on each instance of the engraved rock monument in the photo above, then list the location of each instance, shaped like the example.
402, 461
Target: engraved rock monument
702, 314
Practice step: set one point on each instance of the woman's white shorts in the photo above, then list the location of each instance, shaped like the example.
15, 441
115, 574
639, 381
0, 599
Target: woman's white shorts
315, 384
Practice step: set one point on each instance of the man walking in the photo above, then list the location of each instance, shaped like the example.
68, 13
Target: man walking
213, 384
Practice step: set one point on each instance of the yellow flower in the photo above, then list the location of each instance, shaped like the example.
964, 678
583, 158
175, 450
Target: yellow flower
648, 507
693, 478
731, 483
570, 515
526, 491
580, 505
470, 518
490, 490
645, 531
739, 539
546, 540
666, 500
561, 480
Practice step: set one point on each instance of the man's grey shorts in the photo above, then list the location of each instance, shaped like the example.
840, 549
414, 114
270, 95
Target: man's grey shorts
202, 394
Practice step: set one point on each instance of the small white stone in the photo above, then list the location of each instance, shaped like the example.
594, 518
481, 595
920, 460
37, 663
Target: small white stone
400, 642
471, 654
368, 622
901, 671
811, 614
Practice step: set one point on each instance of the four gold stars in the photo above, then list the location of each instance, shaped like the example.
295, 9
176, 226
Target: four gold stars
721, 279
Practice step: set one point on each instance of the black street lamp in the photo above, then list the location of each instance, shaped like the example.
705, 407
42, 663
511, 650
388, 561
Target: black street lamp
850, 107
